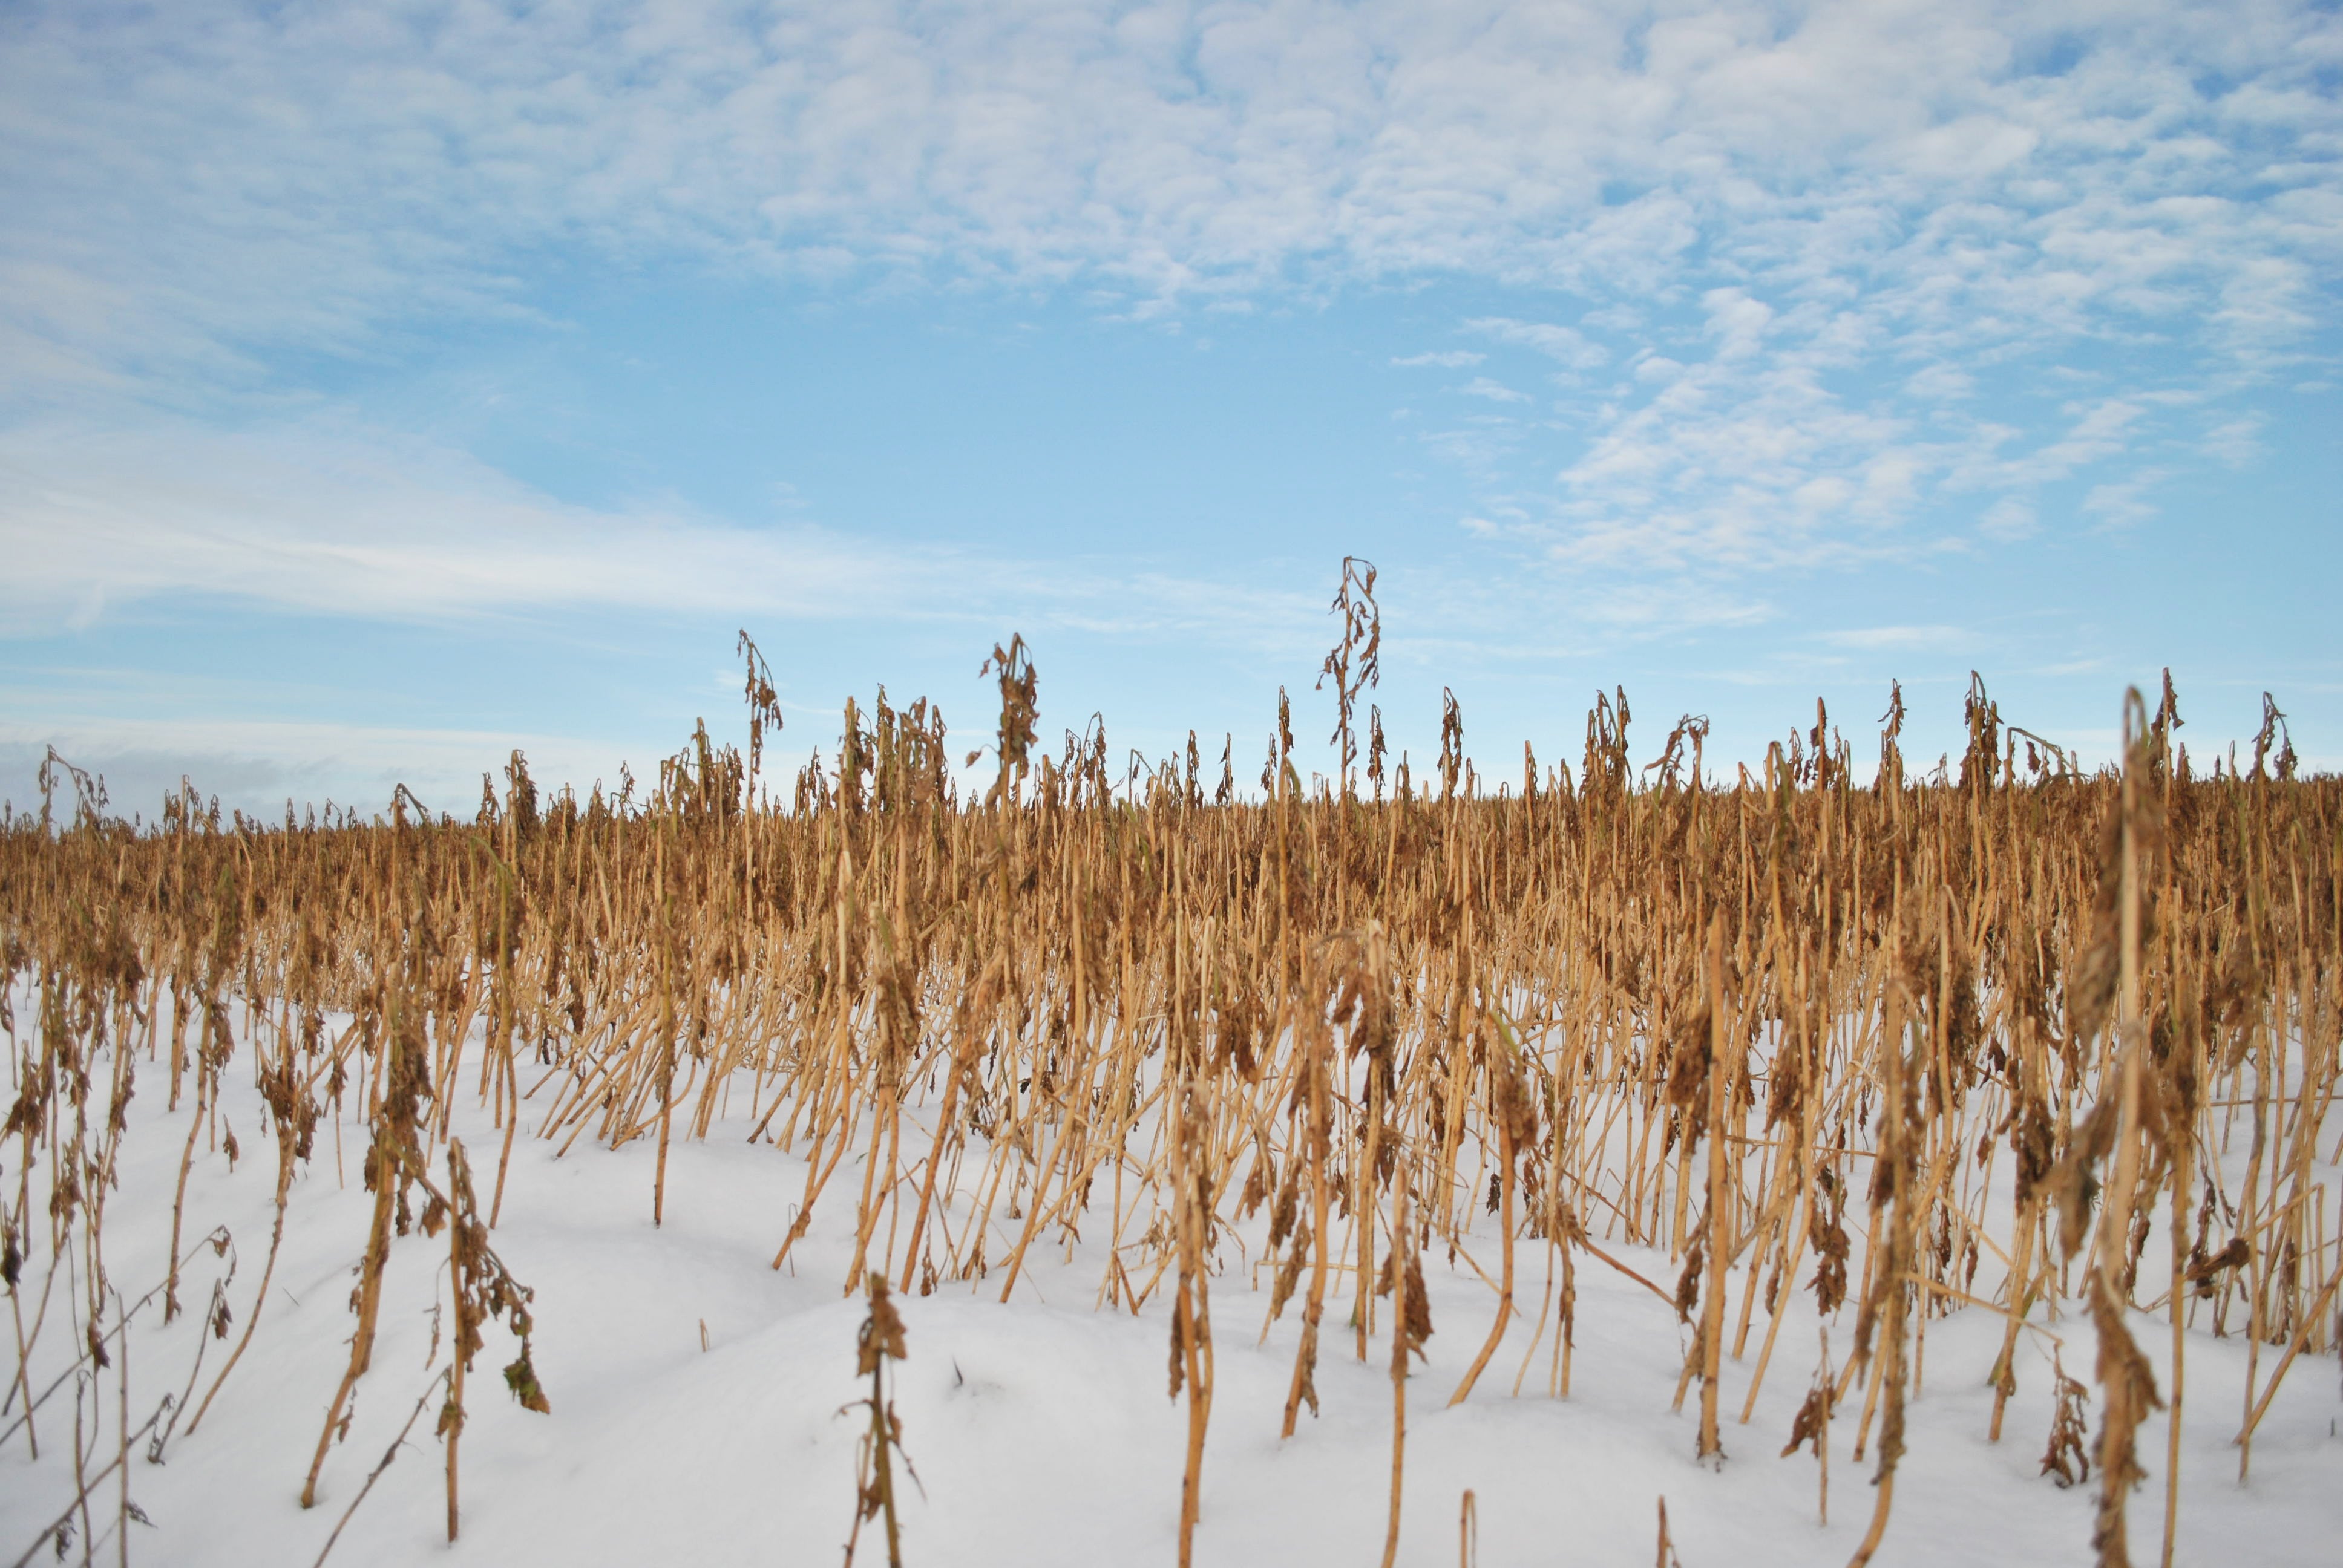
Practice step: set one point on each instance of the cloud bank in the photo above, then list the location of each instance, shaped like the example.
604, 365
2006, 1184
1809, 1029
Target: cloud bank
187, 182
1801, 256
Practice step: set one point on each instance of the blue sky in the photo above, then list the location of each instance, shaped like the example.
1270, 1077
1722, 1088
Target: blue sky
382, 387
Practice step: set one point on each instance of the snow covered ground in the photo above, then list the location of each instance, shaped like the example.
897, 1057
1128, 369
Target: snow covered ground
1041, 1430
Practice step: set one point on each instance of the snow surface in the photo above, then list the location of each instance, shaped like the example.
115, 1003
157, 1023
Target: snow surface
1041, 1430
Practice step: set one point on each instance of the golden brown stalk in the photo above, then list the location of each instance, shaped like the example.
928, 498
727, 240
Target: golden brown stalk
451, 1416
665, 1068
967, 1040
879, 1341
386, 1168
1509, 1110
283, 1096
1312, 1046
1720, 1210
1410, 1327
1890, 1296
2126, 1382
1192, 1314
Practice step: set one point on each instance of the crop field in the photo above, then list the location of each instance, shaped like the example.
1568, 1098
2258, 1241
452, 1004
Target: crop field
1860, 1131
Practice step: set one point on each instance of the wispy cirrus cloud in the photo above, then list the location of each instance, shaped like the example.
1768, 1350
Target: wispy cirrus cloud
1899, 638
2123, 503
1495, 391
330, 519
1565, 344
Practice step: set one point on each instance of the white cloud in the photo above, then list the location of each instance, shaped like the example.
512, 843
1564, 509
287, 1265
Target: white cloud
1737, 322
1563, 343
2236, 443
1495, 391
1449, 359
1940, 384
2008, 518
328, 521
335, 520
2122, 504
1931, 639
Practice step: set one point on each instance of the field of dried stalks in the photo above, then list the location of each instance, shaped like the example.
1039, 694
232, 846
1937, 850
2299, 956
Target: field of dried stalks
1918, 1143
